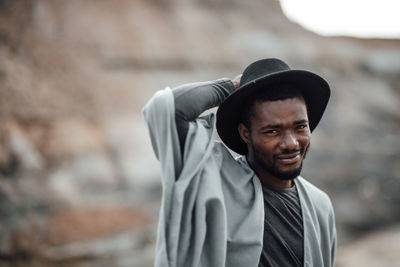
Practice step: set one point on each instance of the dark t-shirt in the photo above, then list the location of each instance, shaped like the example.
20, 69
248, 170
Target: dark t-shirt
283, 228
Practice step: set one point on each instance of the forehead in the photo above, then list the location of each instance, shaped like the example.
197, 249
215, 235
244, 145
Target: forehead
280, 111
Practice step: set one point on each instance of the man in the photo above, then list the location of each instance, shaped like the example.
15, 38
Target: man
254, 210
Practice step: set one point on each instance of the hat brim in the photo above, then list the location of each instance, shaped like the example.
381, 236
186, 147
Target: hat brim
315, 90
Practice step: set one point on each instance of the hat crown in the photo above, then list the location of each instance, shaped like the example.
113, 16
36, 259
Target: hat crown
262, 68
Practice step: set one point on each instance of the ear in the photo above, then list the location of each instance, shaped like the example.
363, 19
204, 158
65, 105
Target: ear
244, 133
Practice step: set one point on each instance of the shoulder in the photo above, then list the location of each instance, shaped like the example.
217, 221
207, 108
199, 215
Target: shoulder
319, 198
233, 167
222, 153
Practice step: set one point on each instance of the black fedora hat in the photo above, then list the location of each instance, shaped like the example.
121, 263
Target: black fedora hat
259, 76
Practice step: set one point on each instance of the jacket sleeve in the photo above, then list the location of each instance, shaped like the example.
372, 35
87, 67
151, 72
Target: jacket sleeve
159, 114
193, 98
186, 236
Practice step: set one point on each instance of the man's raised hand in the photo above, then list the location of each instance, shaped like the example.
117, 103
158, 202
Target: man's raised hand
236, 81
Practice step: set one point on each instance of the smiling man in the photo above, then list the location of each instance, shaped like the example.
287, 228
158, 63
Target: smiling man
253, 210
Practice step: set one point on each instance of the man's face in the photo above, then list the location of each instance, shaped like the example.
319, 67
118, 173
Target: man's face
279, 137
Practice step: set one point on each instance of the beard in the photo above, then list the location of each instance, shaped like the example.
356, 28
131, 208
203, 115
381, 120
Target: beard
274, 170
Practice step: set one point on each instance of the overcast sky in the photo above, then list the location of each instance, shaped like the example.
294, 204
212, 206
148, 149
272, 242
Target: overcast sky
360, 18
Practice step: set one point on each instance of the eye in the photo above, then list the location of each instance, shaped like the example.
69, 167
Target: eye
271, 132
301, 127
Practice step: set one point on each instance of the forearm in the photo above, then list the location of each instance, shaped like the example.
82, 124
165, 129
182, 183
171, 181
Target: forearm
194, 98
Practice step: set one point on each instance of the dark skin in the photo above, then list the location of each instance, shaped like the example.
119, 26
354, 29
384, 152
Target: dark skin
278, 139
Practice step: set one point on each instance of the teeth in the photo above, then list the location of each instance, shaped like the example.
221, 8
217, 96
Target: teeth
288, 157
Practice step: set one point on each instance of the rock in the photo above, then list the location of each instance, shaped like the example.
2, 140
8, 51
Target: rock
384, 62
76, 224
373, 250
131, 150
74, 76
23, 149
62, 185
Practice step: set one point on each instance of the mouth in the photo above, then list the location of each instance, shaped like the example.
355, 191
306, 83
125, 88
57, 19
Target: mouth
289, 158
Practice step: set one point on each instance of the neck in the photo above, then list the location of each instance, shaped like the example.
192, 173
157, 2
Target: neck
267, 178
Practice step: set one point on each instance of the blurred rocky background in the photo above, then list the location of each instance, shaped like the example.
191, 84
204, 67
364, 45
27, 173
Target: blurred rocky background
79, 185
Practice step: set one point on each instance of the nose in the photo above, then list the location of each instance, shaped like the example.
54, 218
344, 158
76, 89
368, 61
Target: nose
289, 141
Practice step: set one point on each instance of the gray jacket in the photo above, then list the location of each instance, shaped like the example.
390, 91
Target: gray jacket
212, 208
